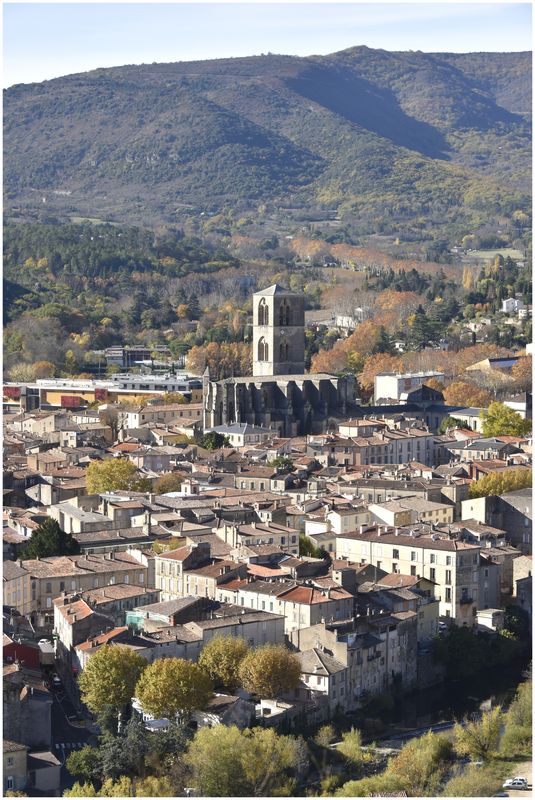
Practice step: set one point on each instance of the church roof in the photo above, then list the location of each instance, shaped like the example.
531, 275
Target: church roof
275, 289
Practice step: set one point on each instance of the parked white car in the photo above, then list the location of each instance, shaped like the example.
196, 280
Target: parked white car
515, 783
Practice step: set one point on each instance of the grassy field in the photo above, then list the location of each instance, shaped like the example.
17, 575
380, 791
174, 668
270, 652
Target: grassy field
488, 255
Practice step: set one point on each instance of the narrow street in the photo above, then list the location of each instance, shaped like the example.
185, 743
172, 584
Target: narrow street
66, 736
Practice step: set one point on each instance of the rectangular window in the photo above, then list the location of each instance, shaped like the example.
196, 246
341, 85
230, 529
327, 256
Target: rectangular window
448, 594
448, 561
10, 760
9, 782
62, 586
432, 558
413, 555
395, 553
49, 588
413, 570
432, 574
448, 576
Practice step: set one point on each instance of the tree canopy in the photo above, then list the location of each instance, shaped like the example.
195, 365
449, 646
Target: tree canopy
172, 687
114, 474
228, 762
110, 677
48, 539
221, 658
270, 670
501, 482
500, 420
479, 738
213, 440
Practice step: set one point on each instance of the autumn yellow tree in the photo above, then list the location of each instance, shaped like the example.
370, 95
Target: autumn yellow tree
270, 670
522, 373
461, 393
44, 369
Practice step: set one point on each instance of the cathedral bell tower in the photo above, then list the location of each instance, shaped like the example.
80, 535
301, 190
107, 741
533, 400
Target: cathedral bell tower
278, 332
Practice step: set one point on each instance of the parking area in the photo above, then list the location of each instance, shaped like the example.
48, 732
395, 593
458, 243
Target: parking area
524, 770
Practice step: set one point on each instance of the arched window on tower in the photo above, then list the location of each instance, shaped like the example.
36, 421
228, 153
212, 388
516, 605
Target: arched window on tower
263, 313
287, 315
263, 350
281, 314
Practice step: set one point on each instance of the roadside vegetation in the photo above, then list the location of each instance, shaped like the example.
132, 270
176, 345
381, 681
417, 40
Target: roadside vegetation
127, 759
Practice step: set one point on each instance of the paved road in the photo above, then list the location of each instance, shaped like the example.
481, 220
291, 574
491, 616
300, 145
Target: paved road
65, 736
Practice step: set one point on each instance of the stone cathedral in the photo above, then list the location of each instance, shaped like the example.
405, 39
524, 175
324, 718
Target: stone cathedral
279, 394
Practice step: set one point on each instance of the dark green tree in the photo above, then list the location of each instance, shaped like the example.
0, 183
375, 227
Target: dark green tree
450, 422
49, 540
384, 343
213, 441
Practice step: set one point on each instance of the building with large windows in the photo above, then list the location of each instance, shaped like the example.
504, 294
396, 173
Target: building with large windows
278, 395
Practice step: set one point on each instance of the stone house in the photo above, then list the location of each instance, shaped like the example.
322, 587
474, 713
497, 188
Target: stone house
451, 564
15, 766
51, 576
16, 587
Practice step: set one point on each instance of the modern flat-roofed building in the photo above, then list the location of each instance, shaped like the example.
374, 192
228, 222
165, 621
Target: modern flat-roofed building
391, 385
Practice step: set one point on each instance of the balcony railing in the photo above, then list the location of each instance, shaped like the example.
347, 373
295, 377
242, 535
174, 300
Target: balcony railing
465, 600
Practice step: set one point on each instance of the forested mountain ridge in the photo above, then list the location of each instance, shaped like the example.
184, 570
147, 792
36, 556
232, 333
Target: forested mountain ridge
391, 141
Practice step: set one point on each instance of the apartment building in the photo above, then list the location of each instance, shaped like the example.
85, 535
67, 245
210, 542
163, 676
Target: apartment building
258, 533
49, 577
301, 605
385, 446
375, 653
190, 571
406, 510
145, 415
16, 587
512, 512
452, 564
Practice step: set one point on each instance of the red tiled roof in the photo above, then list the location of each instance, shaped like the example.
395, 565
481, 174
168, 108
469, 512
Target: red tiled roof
177, 555
311, 596
78, 608
104, 638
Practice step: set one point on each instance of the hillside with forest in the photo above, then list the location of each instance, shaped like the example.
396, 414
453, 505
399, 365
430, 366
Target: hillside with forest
416, 145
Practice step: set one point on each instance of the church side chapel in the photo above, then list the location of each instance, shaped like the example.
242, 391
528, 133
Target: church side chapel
279, 394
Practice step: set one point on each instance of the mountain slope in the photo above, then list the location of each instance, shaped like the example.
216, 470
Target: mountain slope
376, 135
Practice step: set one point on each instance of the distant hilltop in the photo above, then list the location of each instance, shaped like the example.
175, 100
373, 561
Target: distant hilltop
368, 135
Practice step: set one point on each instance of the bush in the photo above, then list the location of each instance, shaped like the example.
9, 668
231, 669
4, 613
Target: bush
475, 782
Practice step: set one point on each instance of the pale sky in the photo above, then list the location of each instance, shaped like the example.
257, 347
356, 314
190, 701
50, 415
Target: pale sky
47, 40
